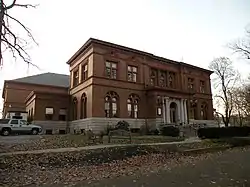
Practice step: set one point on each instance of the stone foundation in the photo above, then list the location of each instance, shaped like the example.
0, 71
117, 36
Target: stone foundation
101, 124
54, 126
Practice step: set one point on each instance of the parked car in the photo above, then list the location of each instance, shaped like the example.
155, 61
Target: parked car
19, 126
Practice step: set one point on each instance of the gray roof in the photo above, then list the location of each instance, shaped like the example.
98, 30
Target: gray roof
51, 79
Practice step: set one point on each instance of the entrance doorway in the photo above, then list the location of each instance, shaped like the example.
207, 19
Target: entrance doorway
173, 112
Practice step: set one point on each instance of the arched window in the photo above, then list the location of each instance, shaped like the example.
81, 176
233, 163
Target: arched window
132, 106
111, 104
83, 106
75, 103
204, 111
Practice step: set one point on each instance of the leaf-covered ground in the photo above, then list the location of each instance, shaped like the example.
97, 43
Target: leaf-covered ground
70, 168
26, 143
91, 166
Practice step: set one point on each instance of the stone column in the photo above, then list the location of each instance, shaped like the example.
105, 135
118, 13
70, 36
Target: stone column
163, 110
179, 110
182, 111
185, 111
167, 110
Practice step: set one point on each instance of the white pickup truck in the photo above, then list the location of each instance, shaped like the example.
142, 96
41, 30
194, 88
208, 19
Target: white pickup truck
19, 126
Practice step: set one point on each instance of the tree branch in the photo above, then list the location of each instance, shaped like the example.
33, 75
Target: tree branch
25, 28
11, 5
26, 5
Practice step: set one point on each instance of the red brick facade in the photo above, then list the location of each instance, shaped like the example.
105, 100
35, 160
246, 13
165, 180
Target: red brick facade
109, 81
134, 84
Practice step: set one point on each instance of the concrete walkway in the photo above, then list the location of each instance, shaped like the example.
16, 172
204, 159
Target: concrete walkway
72, 149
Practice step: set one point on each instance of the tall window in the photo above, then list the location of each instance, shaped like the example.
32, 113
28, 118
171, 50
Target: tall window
83, 106
49, 112
193, 109
111, 105
62, 114
202, 86
84, 72
132, 106
159, 106
132, 73
171, 79
191, 84
153, 77
111, 69
162, 79
204, 111
75, 77
74, 107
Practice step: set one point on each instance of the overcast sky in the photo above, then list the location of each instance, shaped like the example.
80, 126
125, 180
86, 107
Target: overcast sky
194, 31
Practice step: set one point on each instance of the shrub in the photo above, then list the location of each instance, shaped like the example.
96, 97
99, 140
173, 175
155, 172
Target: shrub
170, 131
124, 125
143, 130
153, 132
217, 132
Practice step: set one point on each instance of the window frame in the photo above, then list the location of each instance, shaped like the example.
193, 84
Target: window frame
172, 75
133, 101
191, 84
132, 73
153, 78
164, 83
49, 117
202, 87
85, 72
76, 80
75, 107
111, 69
110, 99
159, 106
83, 106
60, 115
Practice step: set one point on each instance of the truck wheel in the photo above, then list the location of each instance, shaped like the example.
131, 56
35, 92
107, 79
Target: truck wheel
34, 131
6, 132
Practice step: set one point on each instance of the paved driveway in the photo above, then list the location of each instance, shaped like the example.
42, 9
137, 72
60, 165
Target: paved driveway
231, 169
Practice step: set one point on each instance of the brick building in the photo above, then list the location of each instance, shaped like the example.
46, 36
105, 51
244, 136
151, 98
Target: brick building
109, 82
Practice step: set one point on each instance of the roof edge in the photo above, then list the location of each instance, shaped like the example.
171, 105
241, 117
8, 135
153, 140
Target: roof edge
3, 91
109, 44
79, 51
45, 85
29, 96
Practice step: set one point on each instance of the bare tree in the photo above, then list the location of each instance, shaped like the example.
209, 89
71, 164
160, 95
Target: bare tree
226, 78
242, 45
239, 104
10, 40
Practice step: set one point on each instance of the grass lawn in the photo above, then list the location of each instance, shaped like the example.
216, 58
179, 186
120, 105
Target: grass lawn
62, 141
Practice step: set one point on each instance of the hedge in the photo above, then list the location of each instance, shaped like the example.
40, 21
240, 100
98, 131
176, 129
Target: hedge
170, 131
217, 132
